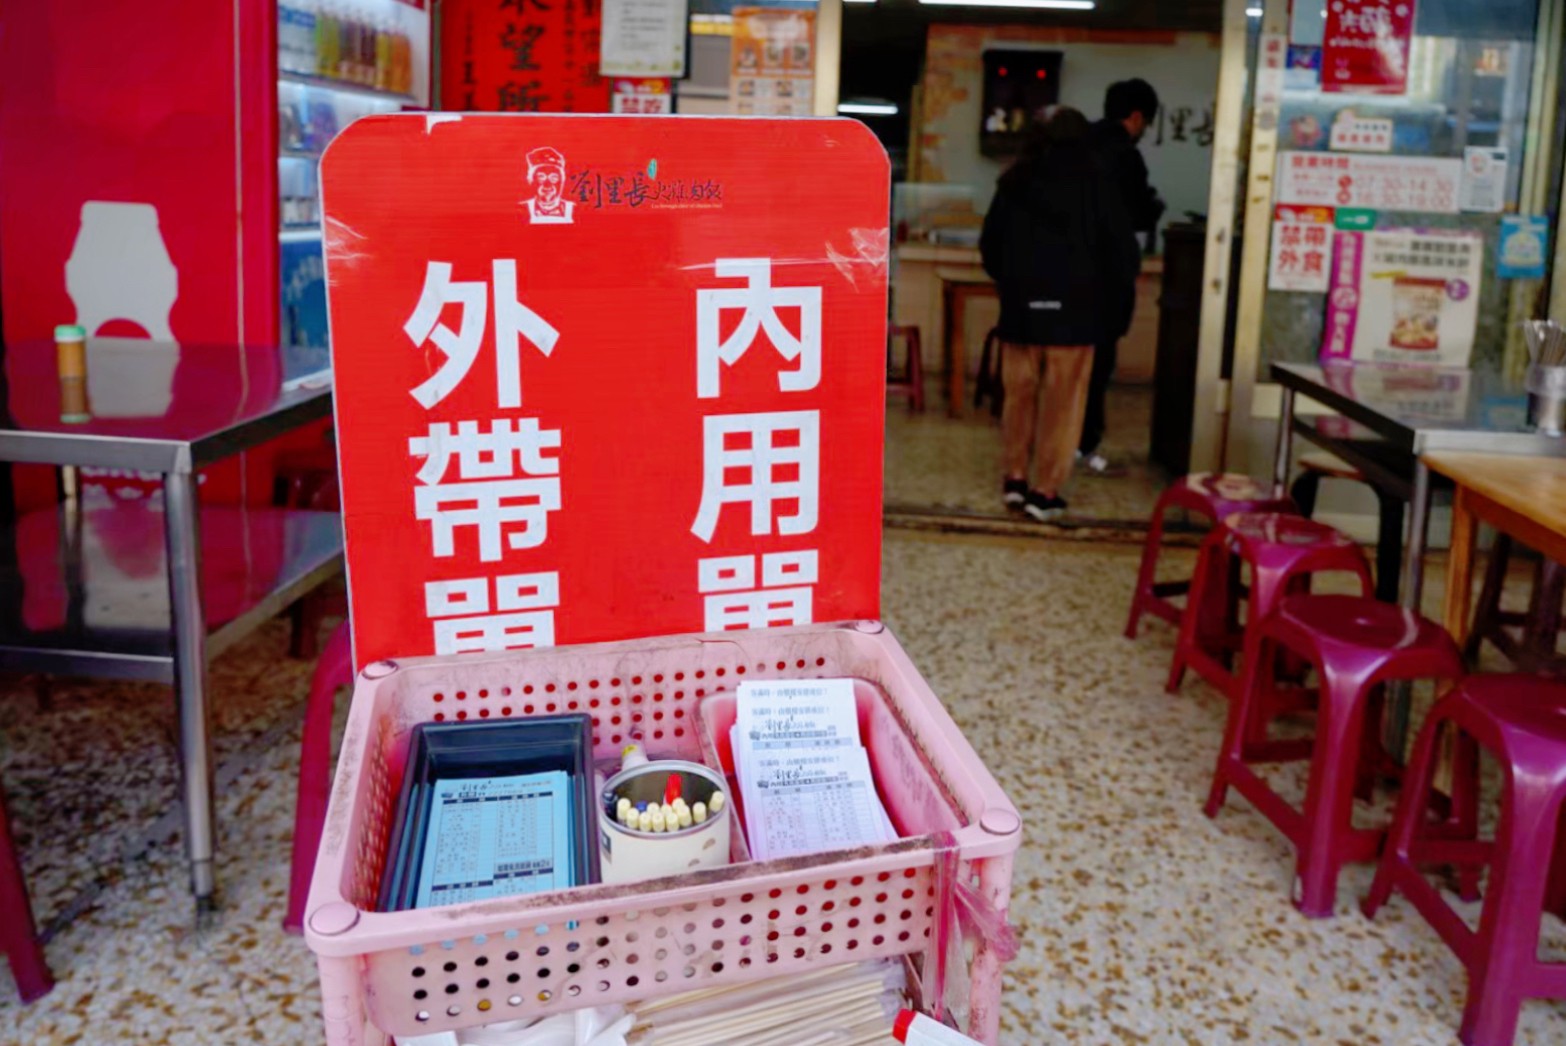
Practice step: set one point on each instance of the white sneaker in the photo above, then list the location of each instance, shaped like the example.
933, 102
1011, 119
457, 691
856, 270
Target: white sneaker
1098, 465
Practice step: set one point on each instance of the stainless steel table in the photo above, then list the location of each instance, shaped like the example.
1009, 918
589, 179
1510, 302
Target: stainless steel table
1391, 416
164, 410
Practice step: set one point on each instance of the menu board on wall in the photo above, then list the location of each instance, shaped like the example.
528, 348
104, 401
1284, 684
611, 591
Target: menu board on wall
1382, 183
516, 56
1366, 45
644, 38
1404, 296
772, 62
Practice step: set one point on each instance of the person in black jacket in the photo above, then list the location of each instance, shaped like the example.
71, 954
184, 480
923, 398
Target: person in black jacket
1057, 243
1130, 107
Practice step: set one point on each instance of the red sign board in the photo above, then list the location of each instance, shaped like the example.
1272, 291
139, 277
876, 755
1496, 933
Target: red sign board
522, 56
603, 378
1366, 46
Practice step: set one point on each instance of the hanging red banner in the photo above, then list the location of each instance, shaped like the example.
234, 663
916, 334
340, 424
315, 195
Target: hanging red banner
605, 378
1366, 46
522, 56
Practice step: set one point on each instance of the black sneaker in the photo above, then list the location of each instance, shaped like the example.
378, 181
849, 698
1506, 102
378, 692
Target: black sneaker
1014, 492
1043, 507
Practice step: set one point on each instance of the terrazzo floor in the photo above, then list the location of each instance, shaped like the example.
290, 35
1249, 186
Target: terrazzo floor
1140, 920
951, 466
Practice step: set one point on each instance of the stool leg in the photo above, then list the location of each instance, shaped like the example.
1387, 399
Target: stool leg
1148, 571
1543, 627
1508, 944
1329, 795
1389, 549
1412, 803
1207, 567
1465, 809
1487, 613
915, 371
1304, 492
1237, 726
18, 933
334, 671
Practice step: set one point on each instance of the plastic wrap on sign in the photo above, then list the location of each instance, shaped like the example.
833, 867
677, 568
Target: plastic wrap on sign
613, 377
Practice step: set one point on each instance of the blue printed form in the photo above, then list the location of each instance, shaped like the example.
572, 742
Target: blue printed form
496, 837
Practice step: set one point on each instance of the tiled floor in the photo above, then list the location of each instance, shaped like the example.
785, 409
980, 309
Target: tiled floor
1141, 921
952, 466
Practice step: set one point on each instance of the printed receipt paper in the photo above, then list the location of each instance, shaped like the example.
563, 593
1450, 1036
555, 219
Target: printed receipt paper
803, 771
495, 837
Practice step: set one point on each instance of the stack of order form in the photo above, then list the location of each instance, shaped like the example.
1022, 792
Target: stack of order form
804, 775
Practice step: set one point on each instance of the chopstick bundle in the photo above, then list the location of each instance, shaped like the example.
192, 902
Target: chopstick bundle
836, 1006
1546, 343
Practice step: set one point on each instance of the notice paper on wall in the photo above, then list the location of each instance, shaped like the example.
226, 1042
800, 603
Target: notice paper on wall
1301, 256
1484, 180
1404, 296
496, 837
804, 775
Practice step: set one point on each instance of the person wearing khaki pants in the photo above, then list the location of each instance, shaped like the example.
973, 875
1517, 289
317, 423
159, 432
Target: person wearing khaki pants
1057, 241
1043, 419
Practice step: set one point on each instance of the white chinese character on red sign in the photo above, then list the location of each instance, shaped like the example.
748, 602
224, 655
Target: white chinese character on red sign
734, 600
772, 457
760, 302
524, 614
488, 494
513, 323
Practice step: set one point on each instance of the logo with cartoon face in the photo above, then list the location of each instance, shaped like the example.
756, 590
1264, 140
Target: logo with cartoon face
546, 173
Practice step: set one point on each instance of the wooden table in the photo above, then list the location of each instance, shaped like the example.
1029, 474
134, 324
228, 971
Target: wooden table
957, 286
1524, 497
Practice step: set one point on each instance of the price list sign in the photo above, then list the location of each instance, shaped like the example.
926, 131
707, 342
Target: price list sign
607, 377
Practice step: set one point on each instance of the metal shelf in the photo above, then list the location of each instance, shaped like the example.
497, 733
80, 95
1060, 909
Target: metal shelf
343, 87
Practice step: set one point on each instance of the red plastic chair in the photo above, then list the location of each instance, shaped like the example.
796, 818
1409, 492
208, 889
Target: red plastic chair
912, 384
1356, 645
1283, 551
1211, 496
333, 672
18, 933
1522, 721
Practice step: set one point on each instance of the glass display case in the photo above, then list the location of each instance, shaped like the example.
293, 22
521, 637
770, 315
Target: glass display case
336, 63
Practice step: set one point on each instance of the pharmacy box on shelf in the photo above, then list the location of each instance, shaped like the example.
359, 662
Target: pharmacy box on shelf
415, 972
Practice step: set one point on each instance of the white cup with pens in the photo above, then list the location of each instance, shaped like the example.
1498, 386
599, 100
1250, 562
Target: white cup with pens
660, 818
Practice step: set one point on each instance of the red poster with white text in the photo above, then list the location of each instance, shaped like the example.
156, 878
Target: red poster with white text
1366, 46
605, 377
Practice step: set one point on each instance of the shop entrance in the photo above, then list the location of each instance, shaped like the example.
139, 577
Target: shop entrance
951, 91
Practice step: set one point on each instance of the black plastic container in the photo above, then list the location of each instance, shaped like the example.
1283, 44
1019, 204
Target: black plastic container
452, 751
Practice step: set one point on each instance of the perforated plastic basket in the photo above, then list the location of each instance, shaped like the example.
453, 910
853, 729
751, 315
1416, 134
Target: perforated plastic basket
417, 972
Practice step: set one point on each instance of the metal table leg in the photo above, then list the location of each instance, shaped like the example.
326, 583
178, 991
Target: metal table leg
1401, 696
188, 619
1280, 459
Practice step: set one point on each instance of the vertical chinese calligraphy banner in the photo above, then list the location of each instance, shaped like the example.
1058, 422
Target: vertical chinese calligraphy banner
602, 378
1366, 46
521, 56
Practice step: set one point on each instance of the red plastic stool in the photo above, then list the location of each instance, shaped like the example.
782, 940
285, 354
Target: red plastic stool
1283, 550
1212, 496
18, 933
1356, 644
333, 672
912, 384
1522, 721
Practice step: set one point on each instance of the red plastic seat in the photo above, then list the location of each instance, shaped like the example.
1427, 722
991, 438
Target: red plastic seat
333, 672
912, 384
1212, 496
1283, 551
1356, 644
1522, 721
18, 933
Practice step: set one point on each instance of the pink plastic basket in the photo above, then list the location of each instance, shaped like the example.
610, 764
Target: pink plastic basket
417, 972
